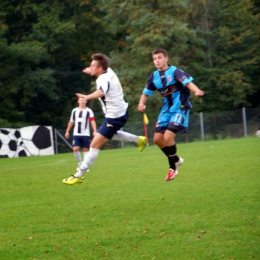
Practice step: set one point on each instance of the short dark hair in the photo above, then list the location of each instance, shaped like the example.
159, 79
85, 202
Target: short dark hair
163, 51
102, 60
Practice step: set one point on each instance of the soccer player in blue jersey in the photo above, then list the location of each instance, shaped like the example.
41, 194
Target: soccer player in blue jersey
174, 85
81, 117
110, 94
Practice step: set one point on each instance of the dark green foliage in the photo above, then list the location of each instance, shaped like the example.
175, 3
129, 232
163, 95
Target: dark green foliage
43, 47
46, 44
229, 62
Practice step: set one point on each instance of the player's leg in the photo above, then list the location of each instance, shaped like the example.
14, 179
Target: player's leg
125, 136
79, 140
164, 139
77, 153
105, 132
141, 141
76, 148
85, 151
168, 148
161, 126
85, 144
171, 153
98, 141
90, 158
158, 139
178, 123
117, 124
183, 128
169, 138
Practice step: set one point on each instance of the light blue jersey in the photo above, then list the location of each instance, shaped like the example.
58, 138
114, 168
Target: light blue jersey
171, 84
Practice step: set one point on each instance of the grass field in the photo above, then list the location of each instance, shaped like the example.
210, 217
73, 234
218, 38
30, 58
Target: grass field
125, 210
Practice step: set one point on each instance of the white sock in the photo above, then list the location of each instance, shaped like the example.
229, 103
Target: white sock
85, 154
88, 161
124, 136
78, 156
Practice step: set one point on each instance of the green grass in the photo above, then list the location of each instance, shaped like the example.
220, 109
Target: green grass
125, 209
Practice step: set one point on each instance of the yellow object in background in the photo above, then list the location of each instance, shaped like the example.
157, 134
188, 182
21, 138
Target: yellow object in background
145, 118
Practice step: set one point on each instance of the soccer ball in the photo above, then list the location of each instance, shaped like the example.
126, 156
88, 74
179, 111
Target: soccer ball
257, 133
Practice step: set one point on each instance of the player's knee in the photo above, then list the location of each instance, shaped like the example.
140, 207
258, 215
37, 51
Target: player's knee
75, 149
169, 138
157, 140
169, 141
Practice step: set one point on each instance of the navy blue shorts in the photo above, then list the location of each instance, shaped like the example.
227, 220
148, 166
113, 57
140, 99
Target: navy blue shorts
81, 141
111, 125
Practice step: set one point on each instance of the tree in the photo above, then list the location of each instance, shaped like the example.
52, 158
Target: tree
215, 41
29, 90
141, 27
44, 47
228, 63
45, 44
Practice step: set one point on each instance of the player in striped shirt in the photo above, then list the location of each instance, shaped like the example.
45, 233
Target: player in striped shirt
110, 94
81, 117
174, 85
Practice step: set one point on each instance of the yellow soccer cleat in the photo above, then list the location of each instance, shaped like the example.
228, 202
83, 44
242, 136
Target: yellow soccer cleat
141, 143
72, 180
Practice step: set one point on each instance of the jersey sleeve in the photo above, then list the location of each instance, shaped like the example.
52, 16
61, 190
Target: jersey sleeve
72, 116
182, 77
91, 115
150, 87
102, 84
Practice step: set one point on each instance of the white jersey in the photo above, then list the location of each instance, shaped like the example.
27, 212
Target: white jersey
81, 119
113, 103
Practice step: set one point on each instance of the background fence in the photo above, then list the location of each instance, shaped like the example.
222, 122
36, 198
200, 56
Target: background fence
202, 126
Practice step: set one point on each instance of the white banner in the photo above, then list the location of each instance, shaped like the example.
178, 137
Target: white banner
26, 141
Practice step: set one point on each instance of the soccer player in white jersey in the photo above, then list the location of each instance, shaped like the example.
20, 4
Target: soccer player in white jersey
81, 117
110, 93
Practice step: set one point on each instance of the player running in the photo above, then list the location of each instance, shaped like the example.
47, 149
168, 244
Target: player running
174, 85
110, 94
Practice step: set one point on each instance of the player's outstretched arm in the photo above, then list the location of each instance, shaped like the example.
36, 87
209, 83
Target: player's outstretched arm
87, 71
191, 86
96, 94
141, 106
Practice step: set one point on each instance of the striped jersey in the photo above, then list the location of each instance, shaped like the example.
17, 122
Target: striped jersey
81, 119
113, 103
171, 84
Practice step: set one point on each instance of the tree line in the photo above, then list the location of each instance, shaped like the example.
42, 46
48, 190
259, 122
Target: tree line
46, 44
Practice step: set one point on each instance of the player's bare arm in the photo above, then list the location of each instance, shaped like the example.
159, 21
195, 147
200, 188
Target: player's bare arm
96, 94
94, 127
191, 86
67, 133
141, 106
87, 71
